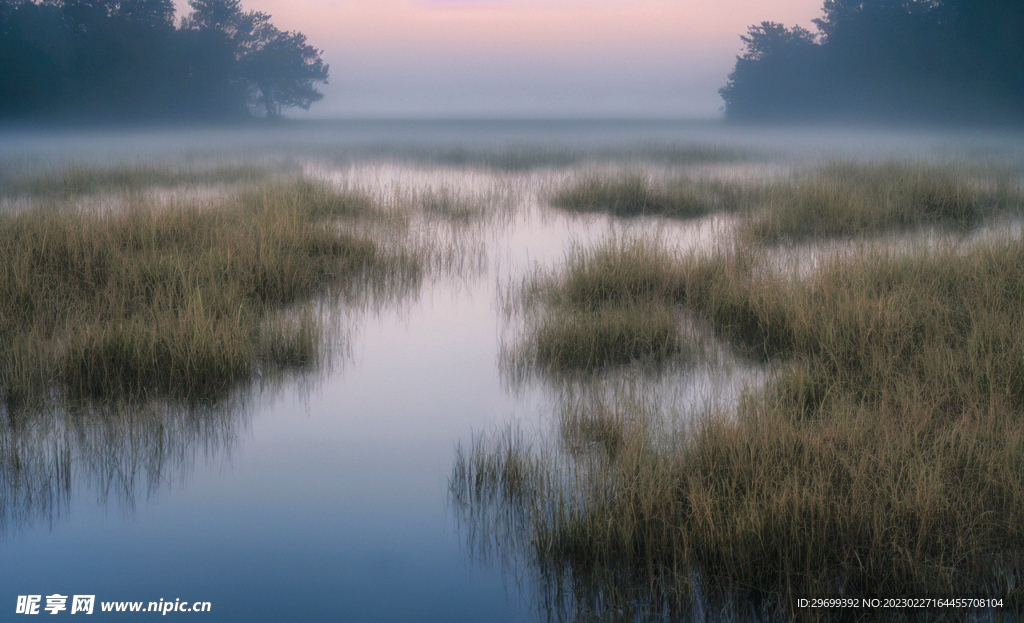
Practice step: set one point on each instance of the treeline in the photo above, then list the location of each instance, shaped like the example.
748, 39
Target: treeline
905, 60
130, 60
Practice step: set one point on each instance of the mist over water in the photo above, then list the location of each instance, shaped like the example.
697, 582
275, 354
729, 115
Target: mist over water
453, 139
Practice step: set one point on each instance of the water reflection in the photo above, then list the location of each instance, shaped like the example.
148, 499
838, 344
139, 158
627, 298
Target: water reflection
121, 448
129, 441
584, 514
118, 453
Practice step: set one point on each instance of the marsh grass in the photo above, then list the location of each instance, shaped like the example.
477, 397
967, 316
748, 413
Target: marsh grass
885, 457
312, 198
849, 199
81, 179
595, 517
838, 199
591, 340
633, 193
183, 300
609, 306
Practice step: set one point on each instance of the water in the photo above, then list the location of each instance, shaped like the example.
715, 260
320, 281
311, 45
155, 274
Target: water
325, 498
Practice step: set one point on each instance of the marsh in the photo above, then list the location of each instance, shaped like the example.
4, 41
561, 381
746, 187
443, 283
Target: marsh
450, 371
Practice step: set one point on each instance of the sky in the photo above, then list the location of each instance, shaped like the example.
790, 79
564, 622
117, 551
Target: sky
526, 58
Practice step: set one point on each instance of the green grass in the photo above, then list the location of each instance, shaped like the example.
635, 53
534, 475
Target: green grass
181, 300
885, 457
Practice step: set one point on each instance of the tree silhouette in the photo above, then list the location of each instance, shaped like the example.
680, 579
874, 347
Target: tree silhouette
283, 68
911, 60
773, 73
277, 68
127, 59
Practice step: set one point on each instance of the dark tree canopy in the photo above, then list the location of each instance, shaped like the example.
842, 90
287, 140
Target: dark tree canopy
128, 59
910, 60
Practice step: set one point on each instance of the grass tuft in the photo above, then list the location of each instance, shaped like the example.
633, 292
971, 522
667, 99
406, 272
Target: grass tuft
591, 340
609, 306
451, 205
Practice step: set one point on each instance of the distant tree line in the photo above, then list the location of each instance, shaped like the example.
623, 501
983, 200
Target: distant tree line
129, 60
923, 60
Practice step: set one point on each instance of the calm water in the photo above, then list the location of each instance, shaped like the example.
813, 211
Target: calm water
326, 498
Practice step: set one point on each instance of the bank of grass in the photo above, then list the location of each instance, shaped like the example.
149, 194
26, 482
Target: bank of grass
83, 179
849, 199
838, 199
634, 193
885, 459
183, 300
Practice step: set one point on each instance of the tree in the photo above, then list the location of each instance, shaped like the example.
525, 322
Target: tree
278, 68
777, 74
127, 59
921, 61
35, 54
283, 68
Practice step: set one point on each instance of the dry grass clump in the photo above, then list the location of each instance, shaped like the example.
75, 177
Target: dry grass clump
82, 179
181, 300
608, 306
847, 199
632, 193
886, 459
590, 340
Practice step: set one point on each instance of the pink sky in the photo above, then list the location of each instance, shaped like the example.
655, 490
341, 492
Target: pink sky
527, 58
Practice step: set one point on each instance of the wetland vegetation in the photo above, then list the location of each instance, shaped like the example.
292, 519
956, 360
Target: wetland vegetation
876, 450
141, 306
839, 198
184, 299
882, 457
